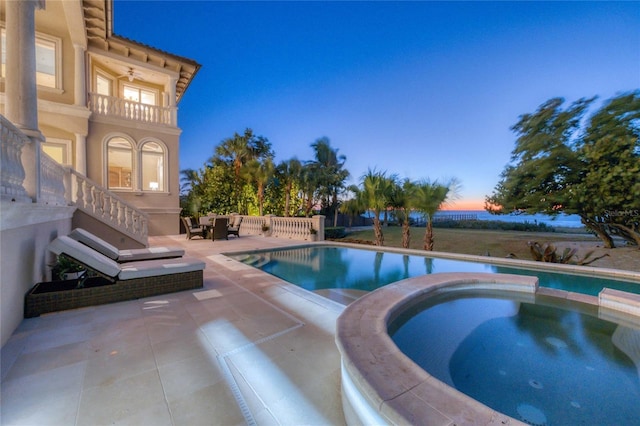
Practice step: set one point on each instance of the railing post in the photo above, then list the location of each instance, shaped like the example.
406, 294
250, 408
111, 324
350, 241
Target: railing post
269, 224
69, 187
318, 225
52, 177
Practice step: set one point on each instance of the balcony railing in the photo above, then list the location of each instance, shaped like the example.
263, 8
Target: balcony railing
111, 106
64, 186
11, 170
52, 181
107, 207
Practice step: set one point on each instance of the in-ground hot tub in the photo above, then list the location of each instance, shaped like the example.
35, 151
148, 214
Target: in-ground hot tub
382, 384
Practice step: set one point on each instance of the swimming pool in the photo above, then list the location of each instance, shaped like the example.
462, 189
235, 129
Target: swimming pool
478, 347
321, 268
538, 362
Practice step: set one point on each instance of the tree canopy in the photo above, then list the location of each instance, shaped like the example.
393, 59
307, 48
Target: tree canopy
563, 163
242, 177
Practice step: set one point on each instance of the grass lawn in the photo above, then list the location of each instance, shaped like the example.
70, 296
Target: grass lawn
471, 241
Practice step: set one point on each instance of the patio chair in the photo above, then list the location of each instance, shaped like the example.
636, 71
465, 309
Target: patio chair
206, 223
124, 281
121, 256
192, 230
219, 231
234, 225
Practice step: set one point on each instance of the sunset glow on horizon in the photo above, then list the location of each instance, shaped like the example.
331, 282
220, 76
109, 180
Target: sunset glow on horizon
459, 205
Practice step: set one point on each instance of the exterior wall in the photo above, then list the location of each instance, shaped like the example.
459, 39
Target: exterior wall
26, 231
61, 117
110, 235
164, 223
162, 206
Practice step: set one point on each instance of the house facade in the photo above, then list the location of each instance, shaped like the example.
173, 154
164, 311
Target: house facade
89, 133
107, 105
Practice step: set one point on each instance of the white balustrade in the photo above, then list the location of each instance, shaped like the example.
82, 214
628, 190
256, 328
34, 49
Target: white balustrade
11, 169
295, 228
130, 110
60, 185
107, 207
252, 225
52, 177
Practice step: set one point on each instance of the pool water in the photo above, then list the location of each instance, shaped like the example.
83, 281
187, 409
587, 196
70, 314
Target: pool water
326, 267
541, 364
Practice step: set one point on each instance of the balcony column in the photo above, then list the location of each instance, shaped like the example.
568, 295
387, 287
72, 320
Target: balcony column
81, 154
21, 106
80, 99
172, 100
80, 83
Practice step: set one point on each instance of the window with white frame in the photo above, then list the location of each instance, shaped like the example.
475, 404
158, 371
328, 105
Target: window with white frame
140, 169
103, 85
152, 162
119, 163
138, 94
48, 60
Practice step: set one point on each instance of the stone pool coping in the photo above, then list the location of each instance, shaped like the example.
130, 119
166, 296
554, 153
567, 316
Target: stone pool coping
381, 385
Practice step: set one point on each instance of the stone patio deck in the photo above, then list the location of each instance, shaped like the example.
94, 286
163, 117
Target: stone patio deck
248, 348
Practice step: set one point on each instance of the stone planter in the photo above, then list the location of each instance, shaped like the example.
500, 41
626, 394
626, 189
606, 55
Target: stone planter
53, 296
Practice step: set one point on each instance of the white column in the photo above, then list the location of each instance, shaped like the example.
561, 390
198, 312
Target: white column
172, 100
80, 99
21, 106
81, 154
80, 81
21, 90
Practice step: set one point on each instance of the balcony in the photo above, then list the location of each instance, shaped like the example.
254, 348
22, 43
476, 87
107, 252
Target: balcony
110, 106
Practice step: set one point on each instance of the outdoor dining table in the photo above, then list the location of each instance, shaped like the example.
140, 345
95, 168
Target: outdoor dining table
206, 222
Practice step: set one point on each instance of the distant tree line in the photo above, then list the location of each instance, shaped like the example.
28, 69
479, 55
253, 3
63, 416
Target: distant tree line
241, 177
563, 163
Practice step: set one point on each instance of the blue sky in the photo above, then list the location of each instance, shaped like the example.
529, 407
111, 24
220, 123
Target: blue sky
419, 89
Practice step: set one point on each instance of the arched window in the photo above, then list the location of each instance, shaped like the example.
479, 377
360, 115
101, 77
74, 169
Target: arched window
120, 163
152, 163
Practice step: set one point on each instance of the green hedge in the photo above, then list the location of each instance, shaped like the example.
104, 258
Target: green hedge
494, 224
335, 232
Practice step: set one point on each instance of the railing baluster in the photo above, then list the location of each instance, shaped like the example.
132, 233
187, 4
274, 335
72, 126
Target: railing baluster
106, 206
130, 110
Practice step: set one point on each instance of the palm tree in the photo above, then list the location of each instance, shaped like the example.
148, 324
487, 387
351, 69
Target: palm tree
429, 197
308, 187
329, 168
401, 201
259, 173
289, 171
353, 206
191, 192
237, 151
376, 193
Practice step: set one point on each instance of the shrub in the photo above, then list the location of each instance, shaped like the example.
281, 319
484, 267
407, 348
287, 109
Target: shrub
335, 232
494, 225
